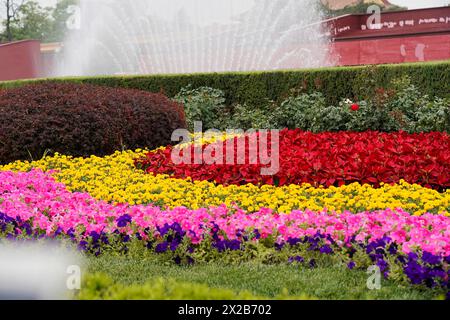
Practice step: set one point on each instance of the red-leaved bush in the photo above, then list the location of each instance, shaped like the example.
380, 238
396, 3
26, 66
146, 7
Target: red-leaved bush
83, 120
329, 159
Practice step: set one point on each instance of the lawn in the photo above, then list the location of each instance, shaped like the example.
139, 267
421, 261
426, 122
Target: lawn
323, 282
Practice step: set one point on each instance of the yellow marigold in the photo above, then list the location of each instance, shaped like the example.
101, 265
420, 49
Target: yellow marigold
115, 179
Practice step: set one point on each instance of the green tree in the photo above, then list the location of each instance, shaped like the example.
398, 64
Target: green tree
10, 10
357, 8
31, 22
26, 19
60, 15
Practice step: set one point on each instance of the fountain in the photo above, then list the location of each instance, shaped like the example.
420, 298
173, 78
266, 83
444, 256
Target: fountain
187, 36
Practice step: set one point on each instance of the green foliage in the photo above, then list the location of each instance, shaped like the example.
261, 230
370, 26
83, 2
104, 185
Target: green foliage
360, 7
401, 106
102, 287
432, 116
256, 88
59, 17
301, 112
415, 112
246, 116
33, 21
202, 104
411, 97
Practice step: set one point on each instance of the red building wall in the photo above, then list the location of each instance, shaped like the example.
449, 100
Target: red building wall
404, 36
20, 60
410, 22
391, 50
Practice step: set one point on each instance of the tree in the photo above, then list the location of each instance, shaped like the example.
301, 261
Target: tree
31, 22
11, 8
60, 15
360, 7
26, 19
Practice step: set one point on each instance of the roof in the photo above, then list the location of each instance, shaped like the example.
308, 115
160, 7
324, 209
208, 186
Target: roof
51, 47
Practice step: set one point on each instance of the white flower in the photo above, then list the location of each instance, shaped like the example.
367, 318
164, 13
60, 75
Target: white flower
348, 101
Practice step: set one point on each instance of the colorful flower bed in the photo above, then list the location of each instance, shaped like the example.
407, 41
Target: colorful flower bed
33, 204
115, 179
327, 159
108, 203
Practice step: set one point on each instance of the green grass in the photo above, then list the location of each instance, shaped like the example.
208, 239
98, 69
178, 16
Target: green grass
323, 282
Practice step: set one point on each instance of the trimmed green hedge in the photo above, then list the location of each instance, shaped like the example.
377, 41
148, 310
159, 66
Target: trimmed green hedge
432, 78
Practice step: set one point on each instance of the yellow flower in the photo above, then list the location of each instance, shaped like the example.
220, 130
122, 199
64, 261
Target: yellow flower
115, 179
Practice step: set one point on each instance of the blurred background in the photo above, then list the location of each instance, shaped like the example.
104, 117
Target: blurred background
44, 38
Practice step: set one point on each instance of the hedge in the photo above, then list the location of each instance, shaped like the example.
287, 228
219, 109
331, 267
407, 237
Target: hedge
83, 120
432, 78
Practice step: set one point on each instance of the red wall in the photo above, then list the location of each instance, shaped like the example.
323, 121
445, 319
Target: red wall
403, 36
20, 60
411, 22
392, 50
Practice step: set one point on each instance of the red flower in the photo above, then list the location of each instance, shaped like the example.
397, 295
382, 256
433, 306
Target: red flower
354, 107
328, 158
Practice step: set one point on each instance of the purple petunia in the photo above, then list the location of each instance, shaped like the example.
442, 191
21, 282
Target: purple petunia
298, 259
161, 247
124, 220
431, 258
326, 249
351, 265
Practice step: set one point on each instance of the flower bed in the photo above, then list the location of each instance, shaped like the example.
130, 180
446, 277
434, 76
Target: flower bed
115, 179
107, 204
34, 205
327, 159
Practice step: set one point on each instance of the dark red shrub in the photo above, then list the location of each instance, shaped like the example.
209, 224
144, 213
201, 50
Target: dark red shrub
83, 120
330, 158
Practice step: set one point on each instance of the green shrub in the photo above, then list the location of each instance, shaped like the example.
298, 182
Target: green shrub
202, 104
314, 99
101, 287
256, 88
303, 112
399, 106
246, 116
412, 111
432, 116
